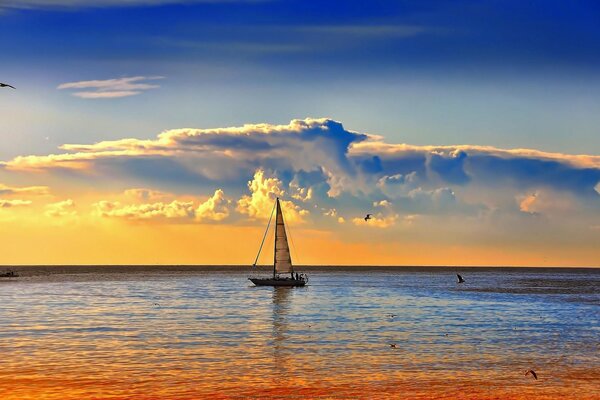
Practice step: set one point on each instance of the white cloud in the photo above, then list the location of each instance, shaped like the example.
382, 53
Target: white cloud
398, 184
527, 203
145, 195
382, 203
173, 210
111, 88
64, 208
377, 221
317, 163
27, 190
332, 212
13, 203
264, 191
300, 193
544, 202
215, 208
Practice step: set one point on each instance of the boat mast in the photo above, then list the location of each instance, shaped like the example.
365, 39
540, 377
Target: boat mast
275, 242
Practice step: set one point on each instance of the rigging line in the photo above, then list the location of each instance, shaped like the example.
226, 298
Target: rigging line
264, 236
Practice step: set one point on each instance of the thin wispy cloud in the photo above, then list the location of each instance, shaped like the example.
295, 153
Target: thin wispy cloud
14, 203
367, 30
21, 191
111, 88
49, 4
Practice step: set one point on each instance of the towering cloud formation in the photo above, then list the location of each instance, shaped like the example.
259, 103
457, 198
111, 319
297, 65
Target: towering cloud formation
317, 164
260, 203
215, 208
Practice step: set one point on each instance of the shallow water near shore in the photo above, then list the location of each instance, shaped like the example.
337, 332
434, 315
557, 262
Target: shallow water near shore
194, 332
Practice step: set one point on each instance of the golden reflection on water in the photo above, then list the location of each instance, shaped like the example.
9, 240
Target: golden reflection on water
201, 336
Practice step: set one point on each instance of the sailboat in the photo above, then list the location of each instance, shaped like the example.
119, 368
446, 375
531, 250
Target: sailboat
282, 265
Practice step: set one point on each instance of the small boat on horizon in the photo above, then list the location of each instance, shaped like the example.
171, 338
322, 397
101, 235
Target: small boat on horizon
9, 273
282, 263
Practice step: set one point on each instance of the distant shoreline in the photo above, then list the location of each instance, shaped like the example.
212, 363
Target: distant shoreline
37, 270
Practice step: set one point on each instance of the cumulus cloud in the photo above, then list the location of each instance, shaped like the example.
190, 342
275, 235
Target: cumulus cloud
332, 212
215, 208
14, 203
544, 202
298, 192
65, 208
259, 204
377, 221
527, 203
382, 203
173, 210
145, 195
110, 88
319, 164
314, 145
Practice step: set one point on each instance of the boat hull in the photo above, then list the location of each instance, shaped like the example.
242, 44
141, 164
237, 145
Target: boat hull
277, 282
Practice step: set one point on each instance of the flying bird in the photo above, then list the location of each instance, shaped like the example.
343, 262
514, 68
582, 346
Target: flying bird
393, 345
368, 217
6, 85
532, 372
460, 278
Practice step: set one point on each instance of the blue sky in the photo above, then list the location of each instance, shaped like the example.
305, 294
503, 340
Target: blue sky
503, 73
467, 127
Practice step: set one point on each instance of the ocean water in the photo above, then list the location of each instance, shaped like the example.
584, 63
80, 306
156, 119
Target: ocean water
188, 333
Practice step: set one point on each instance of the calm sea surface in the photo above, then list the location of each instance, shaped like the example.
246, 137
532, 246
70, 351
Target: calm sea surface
184, 333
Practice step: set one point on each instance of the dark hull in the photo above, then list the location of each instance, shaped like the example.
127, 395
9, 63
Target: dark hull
278, 282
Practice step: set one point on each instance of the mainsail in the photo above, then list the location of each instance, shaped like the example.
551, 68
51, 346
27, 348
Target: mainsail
283, 259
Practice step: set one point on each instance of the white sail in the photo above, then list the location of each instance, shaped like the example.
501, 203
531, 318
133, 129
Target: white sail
283, 259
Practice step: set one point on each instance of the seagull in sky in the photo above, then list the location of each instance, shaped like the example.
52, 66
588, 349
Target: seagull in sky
6, 85
368, 217
532, 372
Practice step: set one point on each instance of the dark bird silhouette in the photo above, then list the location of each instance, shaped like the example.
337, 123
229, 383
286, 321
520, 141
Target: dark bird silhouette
532, 372
460, 278
368, 217
391, 315
6, 85
393, 345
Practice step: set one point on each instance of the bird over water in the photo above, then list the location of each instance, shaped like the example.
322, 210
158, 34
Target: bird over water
2, 85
